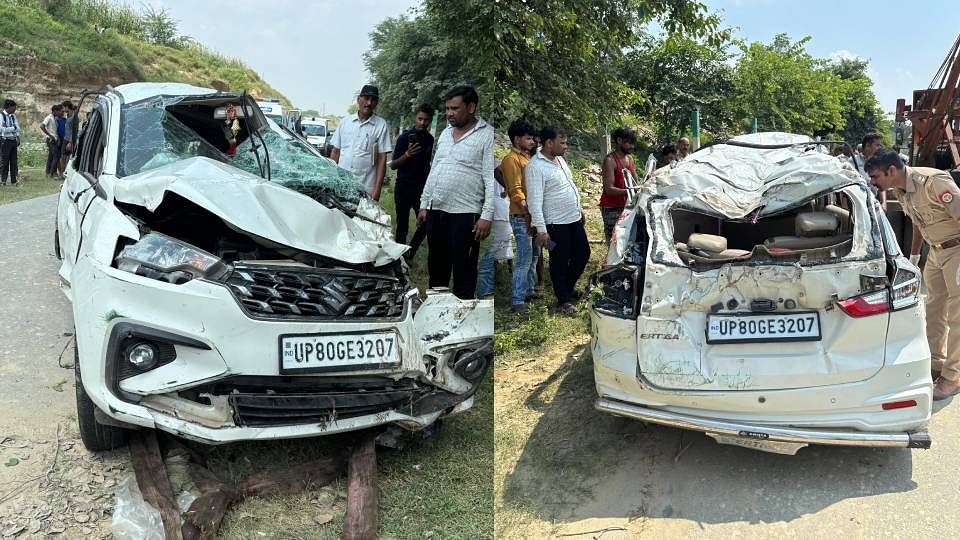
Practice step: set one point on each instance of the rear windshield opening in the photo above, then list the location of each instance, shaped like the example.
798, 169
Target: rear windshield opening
819, 231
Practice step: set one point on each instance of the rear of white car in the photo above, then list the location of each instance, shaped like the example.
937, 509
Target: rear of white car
756, 293
250, 295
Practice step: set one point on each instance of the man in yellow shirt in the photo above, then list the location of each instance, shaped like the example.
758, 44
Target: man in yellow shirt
511, 168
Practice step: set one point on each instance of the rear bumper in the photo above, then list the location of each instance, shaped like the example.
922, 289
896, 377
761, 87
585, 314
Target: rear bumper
760, 432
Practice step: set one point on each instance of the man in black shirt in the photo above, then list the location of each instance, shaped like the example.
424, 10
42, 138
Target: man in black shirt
411, 160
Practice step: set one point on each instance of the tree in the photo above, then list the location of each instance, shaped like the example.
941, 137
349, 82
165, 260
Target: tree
559, 61
416, 61
862, 114
675, 75
787, 89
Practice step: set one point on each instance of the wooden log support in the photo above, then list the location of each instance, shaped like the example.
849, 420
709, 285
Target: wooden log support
153, 481
202, 520
319, 472
362, 517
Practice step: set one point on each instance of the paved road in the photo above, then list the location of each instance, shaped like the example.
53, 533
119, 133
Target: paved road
55, 485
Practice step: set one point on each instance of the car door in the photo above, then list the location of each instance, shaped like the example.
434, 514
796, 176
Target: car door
81, 186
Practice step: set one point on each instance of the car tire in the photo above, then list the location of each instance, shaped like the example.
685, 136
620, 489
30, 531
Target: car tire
96, 437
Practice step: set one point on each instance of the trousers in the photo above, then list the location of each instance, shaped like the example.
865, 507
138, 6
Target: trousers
568, 258
942, 277
453, 250
8, 161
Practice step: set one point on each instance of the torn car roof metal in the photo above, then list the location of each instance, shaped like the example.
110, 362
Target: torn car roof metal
736, 181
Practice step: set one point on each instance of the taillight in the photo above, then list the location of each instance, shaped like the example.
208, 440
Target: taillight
866, 304
906, 289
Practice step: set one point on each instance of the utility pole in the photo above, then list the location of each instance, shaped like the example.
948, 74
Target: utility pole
695, 121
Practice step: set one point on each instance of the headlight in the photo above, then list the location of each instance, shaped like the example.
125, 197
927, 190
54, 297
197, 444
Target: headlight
158, 256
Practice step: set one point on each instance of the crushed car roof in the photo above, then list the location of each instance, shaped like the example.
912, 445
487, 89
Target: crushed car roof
134, 92
736, 180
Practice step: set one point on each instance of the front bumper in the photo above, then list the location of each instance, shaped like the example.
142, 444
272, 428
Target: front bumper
755, 435
216, 343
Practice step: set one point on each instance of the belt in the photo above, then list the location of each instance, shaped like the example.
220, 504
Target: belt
953, 242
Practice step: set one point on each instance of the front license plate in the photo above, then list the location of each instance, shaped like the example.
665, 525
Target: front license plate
767, 327
324, 352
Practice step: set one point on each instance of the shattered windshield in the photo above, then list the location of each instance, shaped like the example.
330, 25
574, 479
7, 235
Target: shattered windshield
297, 166
155, 133
151, 138
314, 130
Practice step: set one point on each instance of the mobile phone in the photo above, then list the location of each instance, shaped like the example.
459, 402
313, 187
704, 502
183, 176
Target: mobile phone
412, 138
550, 245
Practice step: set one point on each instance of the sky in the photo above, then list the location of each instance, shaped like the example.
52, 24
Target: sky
312, 50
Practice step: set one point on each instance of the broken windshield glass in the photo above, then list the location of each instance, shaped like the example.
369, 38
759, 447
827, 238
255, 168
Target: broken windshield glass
163, 130
151, 137
296, 166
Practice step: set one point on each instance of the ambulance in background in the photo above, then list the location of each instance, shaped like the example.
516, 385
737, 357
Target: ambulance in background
315, 130
272, 109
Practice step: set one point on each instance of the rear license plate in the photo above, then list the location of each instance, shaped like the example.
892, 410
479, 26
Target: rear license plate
766, 327
325, 352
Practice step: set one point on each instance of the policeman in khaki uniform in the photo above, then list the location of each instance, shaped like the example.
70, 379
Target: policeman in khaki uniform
932, 200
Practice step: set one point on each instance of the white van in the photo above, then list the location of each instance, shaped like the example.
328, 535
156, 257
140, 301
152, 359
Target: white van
315, 131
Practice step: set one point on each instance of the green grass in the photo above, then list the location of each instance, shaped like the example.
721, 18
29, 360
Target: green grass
28, 31
195, 64
32, 184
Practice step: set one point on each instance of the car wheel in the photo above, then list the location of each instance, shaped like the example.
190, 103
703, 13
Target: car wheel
95, 436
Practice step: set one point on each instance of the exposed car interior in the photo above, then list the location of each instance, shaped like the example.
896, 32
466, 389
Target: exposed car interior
821, 229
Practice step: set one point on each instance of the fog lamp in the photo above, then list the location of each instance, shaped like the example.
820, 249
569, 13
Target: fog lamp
143, 356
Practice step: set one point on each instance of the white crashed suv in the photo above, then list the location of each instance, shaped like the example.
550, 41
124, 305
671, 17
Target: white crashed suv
230, 283
756, 293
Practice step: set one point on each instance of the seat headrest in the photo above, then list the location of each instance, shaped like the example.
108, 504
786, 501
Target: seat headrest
710, 243
816, 224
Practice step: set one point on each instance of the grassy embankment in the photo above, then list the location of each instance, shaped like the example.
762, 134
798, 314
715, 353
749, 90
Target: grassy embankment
86, 42
70, 52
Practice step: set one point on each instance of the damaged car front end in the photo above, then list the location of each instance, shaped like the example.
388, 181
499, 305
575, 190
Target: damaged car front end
229, 283
756, 293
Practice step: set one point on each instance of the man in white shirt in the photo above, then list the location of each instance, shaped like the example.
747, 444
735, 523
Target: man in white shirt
9, 141
457, 200
555, 212
362, 141
48, 128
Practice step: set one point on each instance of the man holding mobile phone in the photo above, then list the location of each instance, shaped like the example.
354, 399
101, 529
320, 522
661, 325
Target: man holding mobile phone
554, 204
411, 160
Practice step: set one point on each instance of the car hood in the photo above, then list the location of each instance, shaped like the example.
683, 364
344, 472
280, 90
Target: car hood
735, 181
269, 210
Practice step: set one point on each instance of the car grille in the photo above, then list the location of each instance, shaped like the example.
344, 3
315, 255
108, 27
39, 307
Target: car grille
293, 409
310, 293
